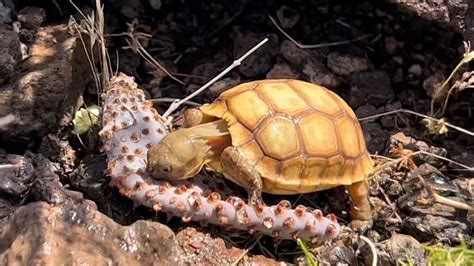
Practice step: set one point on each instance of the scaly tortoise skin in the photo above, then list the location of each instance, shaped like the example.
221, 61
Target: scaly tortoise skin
273, 136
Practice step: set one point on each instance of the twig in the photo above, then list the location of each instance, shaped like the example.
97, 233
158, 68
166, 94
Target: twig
235, 64
457, 85
170, 100
147, 56
468, 56
460, 129
242, 5
8, 166
137, 47
372, 249
469, 168
245, 252
389, 202
320, 45
442, 200
398, 160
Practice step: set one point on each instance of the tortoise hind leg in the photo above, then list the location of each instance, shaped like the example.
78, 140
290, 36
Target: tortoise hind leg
360, 207
239, 170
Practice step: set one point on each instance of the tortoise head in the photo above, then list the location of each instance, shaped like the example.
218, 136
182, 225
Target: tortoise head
175, 157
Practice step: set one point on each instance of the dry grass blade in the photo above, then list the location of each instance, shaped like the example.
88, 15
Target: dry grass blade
445, 201
314, 46
94, 28
135, 45
244, 253
460, 129
9, 166
468, 57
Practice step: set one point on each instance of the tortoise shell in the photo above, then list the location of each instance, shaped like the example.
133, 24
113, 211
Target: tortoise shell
301, 137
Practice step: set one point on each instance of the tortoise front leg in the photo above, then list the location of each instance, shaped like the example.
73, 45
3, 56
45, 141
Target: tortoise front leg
360, 207
239, 170
194, 117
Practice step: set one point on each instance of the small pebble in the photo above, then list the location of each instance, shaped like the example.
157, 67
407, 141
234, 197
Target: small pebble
391, 45
415, 70
32, 17
398, 60
344, 64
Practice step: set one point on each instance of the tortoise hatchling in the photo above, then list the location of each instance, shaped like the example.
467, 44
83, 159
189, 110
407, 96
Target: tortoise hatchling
273, 136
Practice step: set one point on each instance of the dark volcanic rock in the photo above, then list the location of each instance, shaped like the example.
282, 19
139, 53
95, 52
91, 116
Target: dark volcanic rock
371, 87
10, 54
429, 227
259, 62
310, 63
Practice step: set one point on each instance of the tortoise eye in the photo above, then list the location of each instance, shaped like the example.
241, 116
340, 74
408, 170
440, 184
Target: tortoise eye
167, 169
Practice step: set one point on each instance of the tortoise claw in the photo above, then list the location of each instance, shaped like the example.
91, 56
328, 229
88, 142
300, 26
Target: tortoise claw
361, 226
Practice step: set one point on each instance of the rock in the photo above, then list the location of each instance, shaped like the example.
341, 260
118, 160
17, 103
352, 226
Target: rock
32, 17
10, 54
59, 151
131, 8
433, 82
426, 227
282, 71
202, 249
47, 186
26, 37
398, 60
16, 175
375, 137
44, 94
345, 65
309, 63
260, 62
381, 210
318, 74
337, 255
88, 178
287, 17
155, 4
75, 233
398, 76
391, 186
417, 145
16, 179
365, 111
222, 85
456, 14
391, 45
5, 14
415, 70
400, 248
370, 87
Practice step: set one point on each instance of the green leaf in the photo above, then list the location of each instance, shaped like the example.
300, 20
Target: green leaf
85, 118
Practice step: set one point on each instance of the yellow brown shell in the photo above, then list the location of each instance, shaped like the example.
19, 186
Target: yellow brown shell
301, 137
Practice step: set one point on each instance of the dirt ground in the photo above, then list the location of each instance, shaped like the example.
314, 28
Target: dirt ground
397, 61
